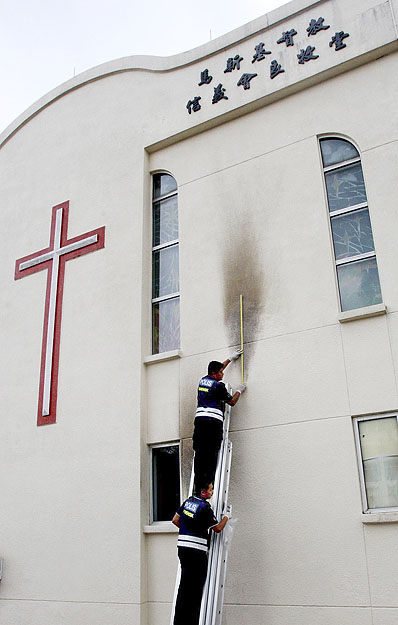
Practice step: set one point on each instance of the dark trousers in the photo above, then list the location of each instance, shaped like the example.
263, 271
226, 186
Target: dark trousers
207, 438
193, 576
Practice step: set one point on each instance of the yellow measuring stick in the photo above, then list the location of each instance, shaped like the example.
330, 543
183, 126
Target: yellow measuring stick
241, 334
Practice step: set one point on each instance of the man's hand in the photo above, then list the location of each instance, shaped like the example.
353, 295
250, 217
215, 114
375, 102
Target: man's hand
220, 526
227, 510
237, 354
241, 388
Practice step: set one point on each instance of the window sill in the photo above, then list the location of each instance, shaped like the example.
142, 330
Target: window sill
165, 527
150, 360
380, 517
362, 313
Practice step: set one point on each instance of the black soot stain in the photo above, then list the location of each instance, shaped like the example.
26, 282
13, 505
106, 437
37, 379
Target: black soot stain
243, 275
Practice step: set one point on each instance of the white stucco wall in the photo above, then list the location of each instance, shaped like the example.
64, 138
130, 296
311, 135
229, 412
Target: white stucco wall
253, 220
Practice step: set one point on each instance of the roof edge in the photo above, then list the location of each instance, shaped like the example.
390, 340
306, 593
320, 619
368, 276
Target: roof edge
160, 63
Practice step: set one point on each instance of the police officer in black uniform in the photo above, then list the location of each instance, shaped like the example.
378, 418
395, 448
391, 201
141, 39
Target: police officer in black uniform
209, 418
194, 518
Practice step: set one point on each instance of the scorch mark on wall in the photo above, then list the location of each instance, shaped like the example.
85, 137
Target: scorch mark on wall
243, 274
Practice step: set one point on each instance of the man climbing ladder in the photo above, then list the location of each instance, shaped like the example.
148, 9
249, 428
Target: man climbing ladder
194, 519
208, 430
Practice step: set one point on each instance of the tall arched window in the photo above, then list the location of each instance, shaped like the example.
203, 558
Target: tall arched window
356, 265
165, 274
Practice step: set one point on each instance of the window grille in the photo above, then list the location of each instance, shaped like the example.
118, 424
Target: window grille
165, 265
354, 250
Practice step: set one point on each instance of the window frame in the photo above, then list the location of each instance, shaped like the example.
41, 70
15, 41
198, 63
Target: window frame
160, 247
349, 209
356, 421
151, 489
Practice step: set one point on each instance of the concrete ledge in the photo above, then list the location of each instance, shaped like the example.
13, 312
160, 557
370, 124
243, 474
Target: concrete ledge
362, 313
380, 517
150, 360
165, 527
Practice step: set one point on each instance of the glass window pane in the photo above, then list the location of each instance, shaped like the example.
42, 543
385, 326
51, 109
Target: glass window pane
162, 184
165, 271
166, 325
345, 187
165, 482
352, 234
165, 221
379, 437
359, 284
336, 151
381, 480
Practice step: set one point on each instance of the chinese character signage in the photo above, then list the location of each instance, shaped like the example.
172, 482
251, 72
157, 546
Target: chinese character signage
268, 70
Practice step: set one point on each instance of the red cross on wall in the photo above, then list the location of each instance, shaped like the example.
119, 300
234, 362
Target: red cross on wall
53, 258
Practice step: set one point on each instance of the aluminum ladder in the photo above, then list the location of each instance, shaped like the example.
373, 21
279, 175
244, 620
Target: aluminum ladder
213, 592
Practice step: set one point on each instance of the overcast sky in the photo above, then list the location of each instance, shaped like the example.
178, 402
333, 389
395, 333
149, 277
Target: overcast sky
45, 42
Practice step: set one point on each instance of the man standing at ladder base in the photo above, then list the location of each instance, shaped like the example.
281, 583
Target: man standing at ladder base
209, 418
194, 518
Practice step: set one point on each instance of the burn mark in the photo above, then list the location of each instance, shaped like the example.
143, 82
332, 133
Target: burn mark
243, 274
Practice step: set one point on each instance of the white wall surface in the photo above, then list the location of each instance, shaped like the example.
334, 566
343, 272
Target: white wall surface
253, 220
71, 529
261, 228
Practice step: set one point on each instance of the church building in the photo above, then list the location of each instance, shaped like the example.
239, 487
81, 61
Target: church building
139, 201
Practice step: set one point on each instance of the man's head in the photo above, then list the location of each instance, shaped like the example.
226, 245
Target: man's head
206, 492
215, 370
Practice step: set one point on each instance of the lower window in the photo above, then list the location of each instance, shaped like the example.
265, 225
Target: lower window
377, 446
165, 465
359, 284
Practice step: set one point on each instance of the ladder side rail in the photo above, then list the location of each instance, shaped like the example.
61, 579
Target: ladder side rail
219, 555
213, 577
217, 507
216, 546
220, 472
207, 591
216, 582
220, 603
219, 482
221, 571
225, 476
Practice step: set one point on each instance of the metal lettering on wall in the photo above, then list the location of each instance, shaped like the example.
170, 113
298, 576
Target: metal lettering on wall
233, 63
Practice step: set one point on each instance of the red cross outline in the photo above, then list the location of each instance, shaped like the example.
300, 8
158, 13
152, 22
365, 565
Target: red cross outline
53, 258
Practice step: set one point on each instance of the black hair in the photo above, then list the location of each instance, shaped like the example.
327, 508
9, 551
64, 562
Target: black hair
204, 486
214, 367
201, 486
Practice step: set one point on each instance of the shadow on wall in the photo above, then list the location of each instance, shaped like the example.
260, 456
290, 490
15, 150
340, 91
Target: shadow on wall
243, 275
